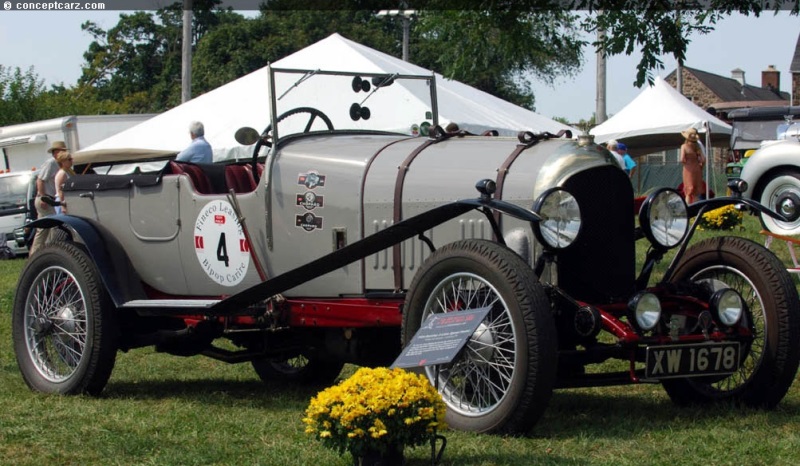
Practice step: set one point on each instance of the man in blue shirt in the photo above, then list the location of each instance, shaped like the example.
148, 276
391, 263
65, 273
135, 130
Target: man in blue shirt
630, 164
199, 151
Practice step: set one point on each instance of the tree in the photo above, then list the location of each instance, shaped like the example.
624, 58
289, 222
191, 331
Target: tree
496, 51
18, 94
138, 61
232, 50
663, 29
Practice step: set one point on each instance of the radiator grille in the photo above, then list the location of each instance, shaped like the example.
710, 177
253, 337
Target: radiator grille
601, 266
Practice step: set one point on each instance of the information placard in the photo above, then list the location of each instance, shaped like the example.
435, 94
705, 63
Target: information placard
440, 338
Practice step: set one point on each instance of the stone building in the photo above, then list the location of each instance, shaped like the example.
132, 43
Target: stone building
711, 91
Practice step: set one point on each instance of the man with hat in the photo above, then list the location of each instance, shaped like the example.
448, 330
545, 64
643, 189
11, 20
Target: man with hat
46, 186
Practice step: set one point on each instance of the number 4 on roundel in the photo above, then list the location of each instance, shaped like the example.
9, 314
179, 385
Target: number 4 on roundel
222, 250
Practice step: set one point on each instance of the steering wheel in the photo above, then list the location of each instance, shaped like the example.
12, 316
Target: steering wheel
264, 140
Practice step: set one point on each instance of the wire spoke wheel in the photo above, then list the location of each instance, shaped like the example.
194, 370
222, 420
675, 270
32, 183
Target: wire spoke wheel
63, 323
55, 324
479, 380
770, 358
755, 319
502, 379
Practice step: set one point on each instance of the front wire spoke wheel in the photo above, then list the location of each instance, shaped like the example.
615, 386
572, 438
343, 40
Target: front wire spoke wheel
770, 354
724, 276
503, 377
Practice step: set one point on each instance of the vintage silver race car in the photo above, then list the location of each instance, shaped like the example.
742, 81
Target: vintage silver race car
334, 244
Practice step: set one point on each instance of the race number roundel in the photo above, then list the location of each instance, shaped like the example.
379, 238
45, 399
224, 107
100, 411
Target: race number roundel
220, 244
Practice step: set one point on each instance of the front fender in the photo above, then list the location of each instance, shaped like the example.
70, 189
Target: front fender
121, 281
771, 156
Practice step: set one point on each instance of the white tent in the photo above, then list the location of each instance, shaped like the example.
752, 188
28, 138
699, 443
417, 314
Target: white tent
245, 102
653, 121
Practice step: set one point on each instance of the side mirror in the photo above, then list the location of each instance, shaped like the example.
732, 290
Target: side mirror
382, 81
246, 136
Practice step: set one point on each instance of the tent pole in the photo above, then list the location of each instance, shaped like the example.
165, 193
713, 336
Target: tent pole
708, 159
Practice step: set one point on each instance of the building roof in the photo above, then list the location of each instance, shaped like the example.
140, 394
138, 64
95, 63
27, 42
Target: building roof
795, 66
730, 90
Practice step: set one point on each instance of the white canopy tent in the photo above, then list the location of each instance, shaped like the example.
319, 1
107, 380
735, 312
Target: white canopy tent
245, 102
653, 121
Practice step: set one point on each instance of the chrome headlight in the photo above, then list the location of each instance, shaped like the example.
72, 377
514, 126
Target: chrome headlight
738, 185
561, 218
664, 218
727, 306
646, 309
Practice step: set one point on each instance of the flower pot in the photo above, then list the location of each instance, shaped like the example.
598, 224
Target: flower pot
392, 457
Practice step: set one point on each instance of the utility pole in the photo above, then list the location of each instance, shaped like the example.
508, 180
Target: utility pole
679, 66
406, 16
186, 53
600, 104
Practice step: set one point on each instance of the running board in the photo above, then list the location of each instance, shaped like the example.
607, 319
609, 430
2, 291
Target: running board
170, 306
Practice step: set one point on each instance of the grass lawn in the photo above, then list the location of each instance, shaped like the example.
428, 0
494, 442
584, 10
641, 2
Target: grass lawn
166, 410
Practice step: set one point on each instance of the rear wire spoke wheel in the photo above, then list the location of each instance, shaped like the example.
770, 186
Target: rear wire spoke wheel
502, 380
769, 362
63, 326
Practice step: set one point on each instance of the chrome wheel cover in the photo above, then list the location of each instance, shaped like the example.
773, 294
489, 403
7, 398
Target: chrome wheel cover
782, 195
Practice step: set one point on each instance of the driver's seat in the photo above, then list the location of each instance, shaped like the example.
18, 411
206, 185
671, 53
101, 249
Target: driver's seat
240, 178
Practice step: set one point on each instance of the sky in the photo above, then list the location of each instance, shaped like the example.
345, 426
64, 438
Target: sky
53, 44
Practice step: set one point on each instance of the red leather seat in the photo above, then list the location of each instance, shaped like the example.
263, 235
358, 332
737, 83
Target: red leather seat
240, 178
199, 179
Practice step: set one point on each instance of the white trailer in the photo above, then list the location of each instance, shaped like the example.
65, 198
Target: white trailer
24, 146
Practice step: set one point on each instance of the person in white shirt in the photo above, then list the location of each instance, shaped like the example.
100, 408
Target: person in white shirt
199, 151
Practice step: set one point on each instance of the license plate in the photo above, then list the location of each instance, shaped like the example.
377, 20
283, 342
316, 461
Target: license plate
664, 362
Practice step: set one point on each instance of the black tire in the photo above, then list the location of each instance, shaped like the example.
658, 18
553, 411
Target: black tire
300, 370
770, 362
58, 235
503, 380
781, 193
63, 323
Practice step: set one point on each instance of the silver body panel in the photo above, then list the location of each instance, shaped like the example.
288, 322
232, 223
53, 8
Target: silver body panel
155, 225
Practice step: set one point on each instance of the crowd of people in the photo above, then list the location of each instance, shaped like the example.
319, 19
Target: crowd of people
57, 169
692, 159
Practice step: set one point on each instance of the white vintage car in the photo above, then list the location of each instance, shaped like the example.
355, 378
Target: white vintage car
335, 244
772, 174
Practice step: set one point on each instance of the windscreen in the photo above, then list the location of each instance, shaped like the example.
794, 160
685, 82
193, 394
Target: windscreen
14, 192
309, 101
749, 134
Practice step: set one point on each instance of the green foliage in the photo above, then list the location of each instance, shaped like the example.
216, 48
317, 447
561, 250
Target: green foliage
135, 66
23, 98
18, 95
160, 409
631, 25
497, 52
138, 61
